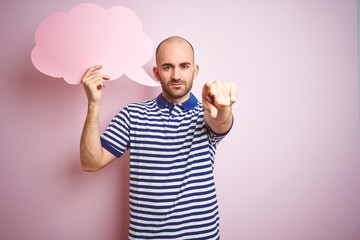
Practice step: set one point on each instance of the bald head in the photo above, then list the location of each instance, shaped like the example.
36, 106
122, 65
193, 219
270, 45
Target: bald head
179, 41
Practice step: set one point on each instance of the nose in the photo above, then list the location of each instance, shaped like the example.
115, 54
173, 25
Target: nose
176, 73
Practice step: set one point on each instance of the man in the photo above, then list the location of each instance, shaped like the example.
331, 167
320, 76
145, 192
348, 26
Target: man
172, 141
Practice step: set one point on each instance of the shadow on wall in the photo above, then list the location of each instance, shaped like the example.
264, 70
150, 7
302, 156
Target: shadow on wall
55, 112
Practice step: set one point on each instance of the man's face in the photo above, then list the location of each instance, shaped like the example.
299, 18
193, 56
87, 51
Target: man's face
176, 70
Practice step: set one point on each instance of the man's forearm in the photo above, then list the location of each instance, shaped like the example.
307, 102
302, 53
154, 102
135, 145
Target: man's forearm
90, 145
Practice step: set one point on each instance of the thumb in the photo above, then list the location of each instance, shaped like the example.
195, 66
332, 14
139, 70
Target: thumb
212, 110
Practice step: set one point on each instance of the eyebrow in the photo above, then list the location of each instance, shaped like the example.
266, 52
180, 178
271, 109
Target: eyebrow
166, 65
170, 64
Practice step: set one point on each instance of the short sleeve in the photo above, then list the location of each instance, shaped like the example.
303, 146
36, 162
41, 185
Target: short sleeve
116, 137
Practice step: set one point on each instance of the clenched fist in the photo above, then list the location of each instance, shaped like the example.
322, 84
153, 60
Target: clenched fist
217, 96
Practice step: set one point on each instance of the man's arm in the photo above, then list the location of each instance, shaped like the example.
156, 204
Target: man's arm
93, 156
217, 99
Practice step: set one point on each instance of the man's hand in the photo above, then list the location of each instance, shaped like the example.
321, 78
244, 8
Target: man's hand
218, 95
93, 83
217, 99
93, 156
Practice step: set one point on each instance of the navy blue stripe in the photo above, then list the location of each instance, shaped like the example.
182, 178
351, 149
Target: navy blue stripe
137, 143
171, 186
159, 122
156, 174
182, 235
107, 134
186, 165
171, 193
188, 227
168, 155
174, 149
166, 130
191, 215
164, 224
188, 233
140, 180
156, 147
189, 195
139, 132
111, 148
178, 204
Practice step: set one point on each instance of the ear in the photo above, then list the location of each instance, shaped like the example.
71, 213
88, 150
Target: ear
196, 70
156, 73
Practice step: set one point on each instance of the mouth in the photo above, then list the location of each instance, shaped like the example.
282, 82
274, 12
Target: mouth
176, 84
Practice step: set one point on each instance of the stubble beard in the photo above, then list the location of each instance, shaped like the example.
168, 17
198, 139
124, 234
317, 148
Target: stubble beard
174, 93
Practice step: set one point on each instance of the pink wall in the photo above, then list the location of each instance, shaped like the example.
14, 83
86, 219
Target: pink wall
289, 169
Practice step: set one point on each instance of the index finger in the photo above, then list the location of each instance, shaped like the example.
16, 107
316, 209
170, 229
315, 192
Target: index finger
92, 69
208, 89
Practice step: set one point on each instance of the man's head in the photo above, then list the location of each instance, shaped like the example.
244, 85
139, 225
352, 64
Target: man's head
174, 39
175, 68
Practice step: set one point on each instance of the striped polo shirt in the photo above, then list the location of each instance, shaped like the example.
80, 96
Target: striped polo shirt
172, 150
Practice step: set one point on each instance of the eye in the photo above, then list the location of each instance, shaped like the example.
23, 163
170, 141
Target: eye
167, 66
185, 66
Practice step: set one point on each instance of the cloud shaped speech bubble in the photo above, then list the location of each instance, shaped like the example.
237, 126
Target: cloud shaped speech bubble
67, 43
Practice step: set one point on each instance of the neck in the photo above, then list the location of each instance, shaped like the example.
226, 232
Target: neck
176, 100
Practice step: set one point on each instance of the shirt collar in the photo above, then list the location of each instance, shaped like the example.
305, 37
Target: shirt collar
187, 105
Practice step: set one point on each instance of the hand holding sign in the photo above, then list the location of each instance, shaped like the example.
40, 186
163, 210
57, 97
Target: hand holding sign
68, 43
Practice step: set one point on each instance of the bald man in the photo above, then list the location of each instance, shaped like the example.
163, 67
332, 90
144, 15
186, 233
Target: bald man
172, 140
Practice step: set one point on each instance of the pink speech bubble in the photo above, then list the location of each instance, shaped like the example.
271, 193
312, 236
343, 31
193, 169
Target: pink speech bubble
67, 43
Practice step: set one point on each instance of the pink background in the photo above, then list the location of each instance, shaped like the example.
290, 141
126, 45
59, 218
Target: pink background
290, 168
